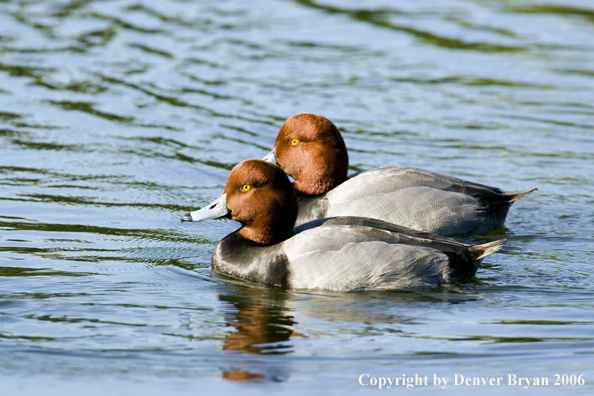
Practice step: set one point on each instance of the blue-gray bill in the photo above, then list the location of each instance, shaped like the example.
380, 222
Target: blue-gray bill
216, 209
271, 157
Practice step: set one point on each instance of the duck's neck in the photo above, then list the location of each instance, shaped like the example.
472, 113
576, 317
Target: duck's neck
324, 173
315, 184
266, 234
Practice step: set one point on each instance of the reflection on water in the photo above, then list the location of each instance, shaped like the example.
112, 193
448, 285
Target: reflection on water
257, 323
261, 324
261, 321
118, 116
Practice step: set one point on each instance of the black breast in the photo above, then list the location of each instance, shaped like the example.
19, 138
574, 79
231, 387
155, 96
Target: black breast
239, 257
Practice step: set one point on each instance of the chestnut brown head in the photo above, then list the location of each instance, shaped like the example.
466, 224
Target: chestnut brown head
310, 149
260, 196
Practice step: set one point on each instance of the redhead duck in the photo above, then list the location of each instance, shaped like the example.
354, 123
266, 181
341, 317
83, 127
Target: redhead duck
341, 254
310, 149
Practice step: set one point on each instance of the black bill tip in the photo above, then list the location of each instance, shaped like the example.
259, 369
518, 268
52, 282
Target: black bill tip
186, 217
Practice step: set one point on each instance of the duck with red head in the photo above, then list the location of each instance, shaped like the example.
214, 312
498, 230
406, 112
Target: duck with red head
342, 254
270, 221
310, 149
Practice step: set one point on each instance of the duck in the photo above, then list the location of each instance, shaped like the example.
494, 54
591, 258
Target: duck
344, 254
311, 150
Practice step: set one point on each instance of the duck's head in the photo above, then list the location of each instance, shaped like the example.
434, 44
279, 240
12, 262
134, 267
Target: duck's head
258, 195
310, 149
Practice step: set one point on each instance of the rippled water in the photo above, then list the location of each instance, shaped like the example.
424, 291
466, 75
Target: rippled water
116, 117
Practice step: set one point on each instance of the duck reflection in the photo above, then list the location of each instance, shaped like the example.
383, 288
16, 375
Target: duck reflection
263, 321
262, 325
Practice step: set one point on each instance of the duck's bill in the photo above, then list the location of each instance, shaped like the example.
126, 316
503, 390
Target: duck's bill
271, 157
216, 209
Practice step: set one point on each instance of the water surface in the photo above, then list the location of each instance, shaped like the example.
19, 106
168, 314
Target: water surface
116, 117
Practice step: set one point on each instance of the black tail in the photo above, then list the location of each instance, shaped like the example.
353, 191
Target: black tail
480, 251
514, 196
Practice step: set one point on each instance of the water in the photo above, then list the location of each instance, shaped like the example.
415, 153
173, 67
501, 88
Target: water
116, 117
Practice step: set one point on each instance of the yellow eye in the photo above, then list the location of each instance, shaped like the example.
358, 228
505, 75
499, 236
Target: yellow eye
294, 142
246, 187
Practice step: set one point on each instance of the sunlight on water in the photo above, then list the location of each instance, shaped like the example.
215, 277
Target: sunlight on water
116, 117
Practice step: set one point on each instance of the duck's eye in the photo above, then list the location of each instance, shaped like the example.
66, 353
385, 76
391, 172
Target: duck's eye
294, 142
246, 187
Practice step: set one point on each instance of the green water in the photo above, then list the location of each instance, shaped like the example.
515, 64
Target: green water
116, 117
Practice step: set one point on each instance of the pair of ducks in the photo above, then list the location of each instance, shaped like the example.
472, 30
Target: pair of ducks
375, 230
